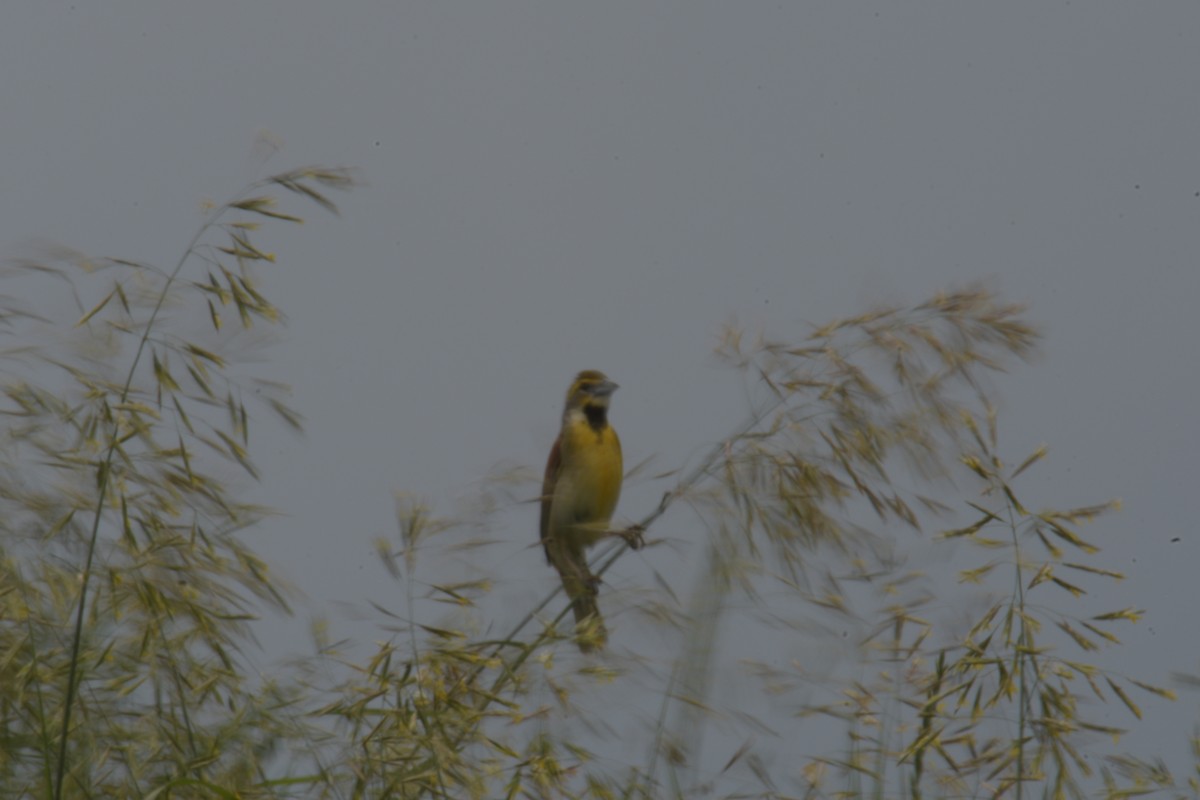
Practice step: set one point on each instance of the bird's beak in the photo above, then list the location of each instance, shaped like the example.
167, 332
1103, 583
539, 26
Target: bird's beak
604, 388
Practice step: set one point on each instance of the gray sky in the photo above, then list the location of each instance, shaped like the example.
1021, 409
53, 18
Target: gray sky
554, 187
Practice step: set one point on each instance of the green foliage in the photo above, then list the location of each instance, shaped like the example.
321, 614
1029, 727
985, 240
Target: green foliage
126, 589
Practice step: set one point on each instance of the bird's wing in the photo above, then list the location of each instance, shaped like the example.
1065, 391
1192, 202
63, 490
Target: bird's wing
553, 464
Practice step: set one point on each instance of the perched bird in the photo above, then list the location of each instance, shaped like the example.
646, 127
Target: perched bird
579, 494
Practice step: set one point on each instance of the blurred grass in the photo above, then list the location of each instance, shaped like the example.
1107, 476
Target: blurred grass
127, 589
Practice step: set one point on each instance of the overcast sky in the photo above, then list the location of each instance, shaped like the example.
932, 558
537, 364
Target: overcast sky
559, 186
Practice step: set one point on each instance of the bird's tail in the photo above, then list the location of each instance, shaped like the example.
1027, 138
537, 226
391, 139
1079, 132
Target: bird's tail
590, 632
580, 585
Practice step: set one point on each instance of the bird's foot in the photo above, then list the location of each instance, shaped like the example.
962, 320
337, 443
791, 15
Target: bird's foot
634, 536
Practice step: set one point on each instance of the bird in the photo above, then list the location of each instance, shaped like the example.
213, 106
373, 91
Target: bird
580, 491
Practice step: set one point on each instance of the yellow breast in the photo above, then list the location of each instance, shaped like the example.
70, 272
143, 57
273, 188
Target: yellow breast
589, 484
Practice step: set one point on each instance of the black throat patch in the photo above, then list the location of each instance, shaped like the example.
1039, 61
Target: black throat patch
597, 417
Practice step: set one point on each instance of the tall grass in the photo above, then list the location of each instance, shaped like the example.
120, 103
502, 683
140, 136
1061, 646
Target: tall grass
127, 590
127, 586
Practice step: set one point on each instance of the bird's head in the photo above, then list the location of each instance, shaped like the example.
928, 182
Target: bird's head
590, 390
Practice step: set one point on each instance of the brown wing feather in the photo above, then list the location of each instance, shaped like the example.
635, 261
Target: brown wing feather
553, 464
